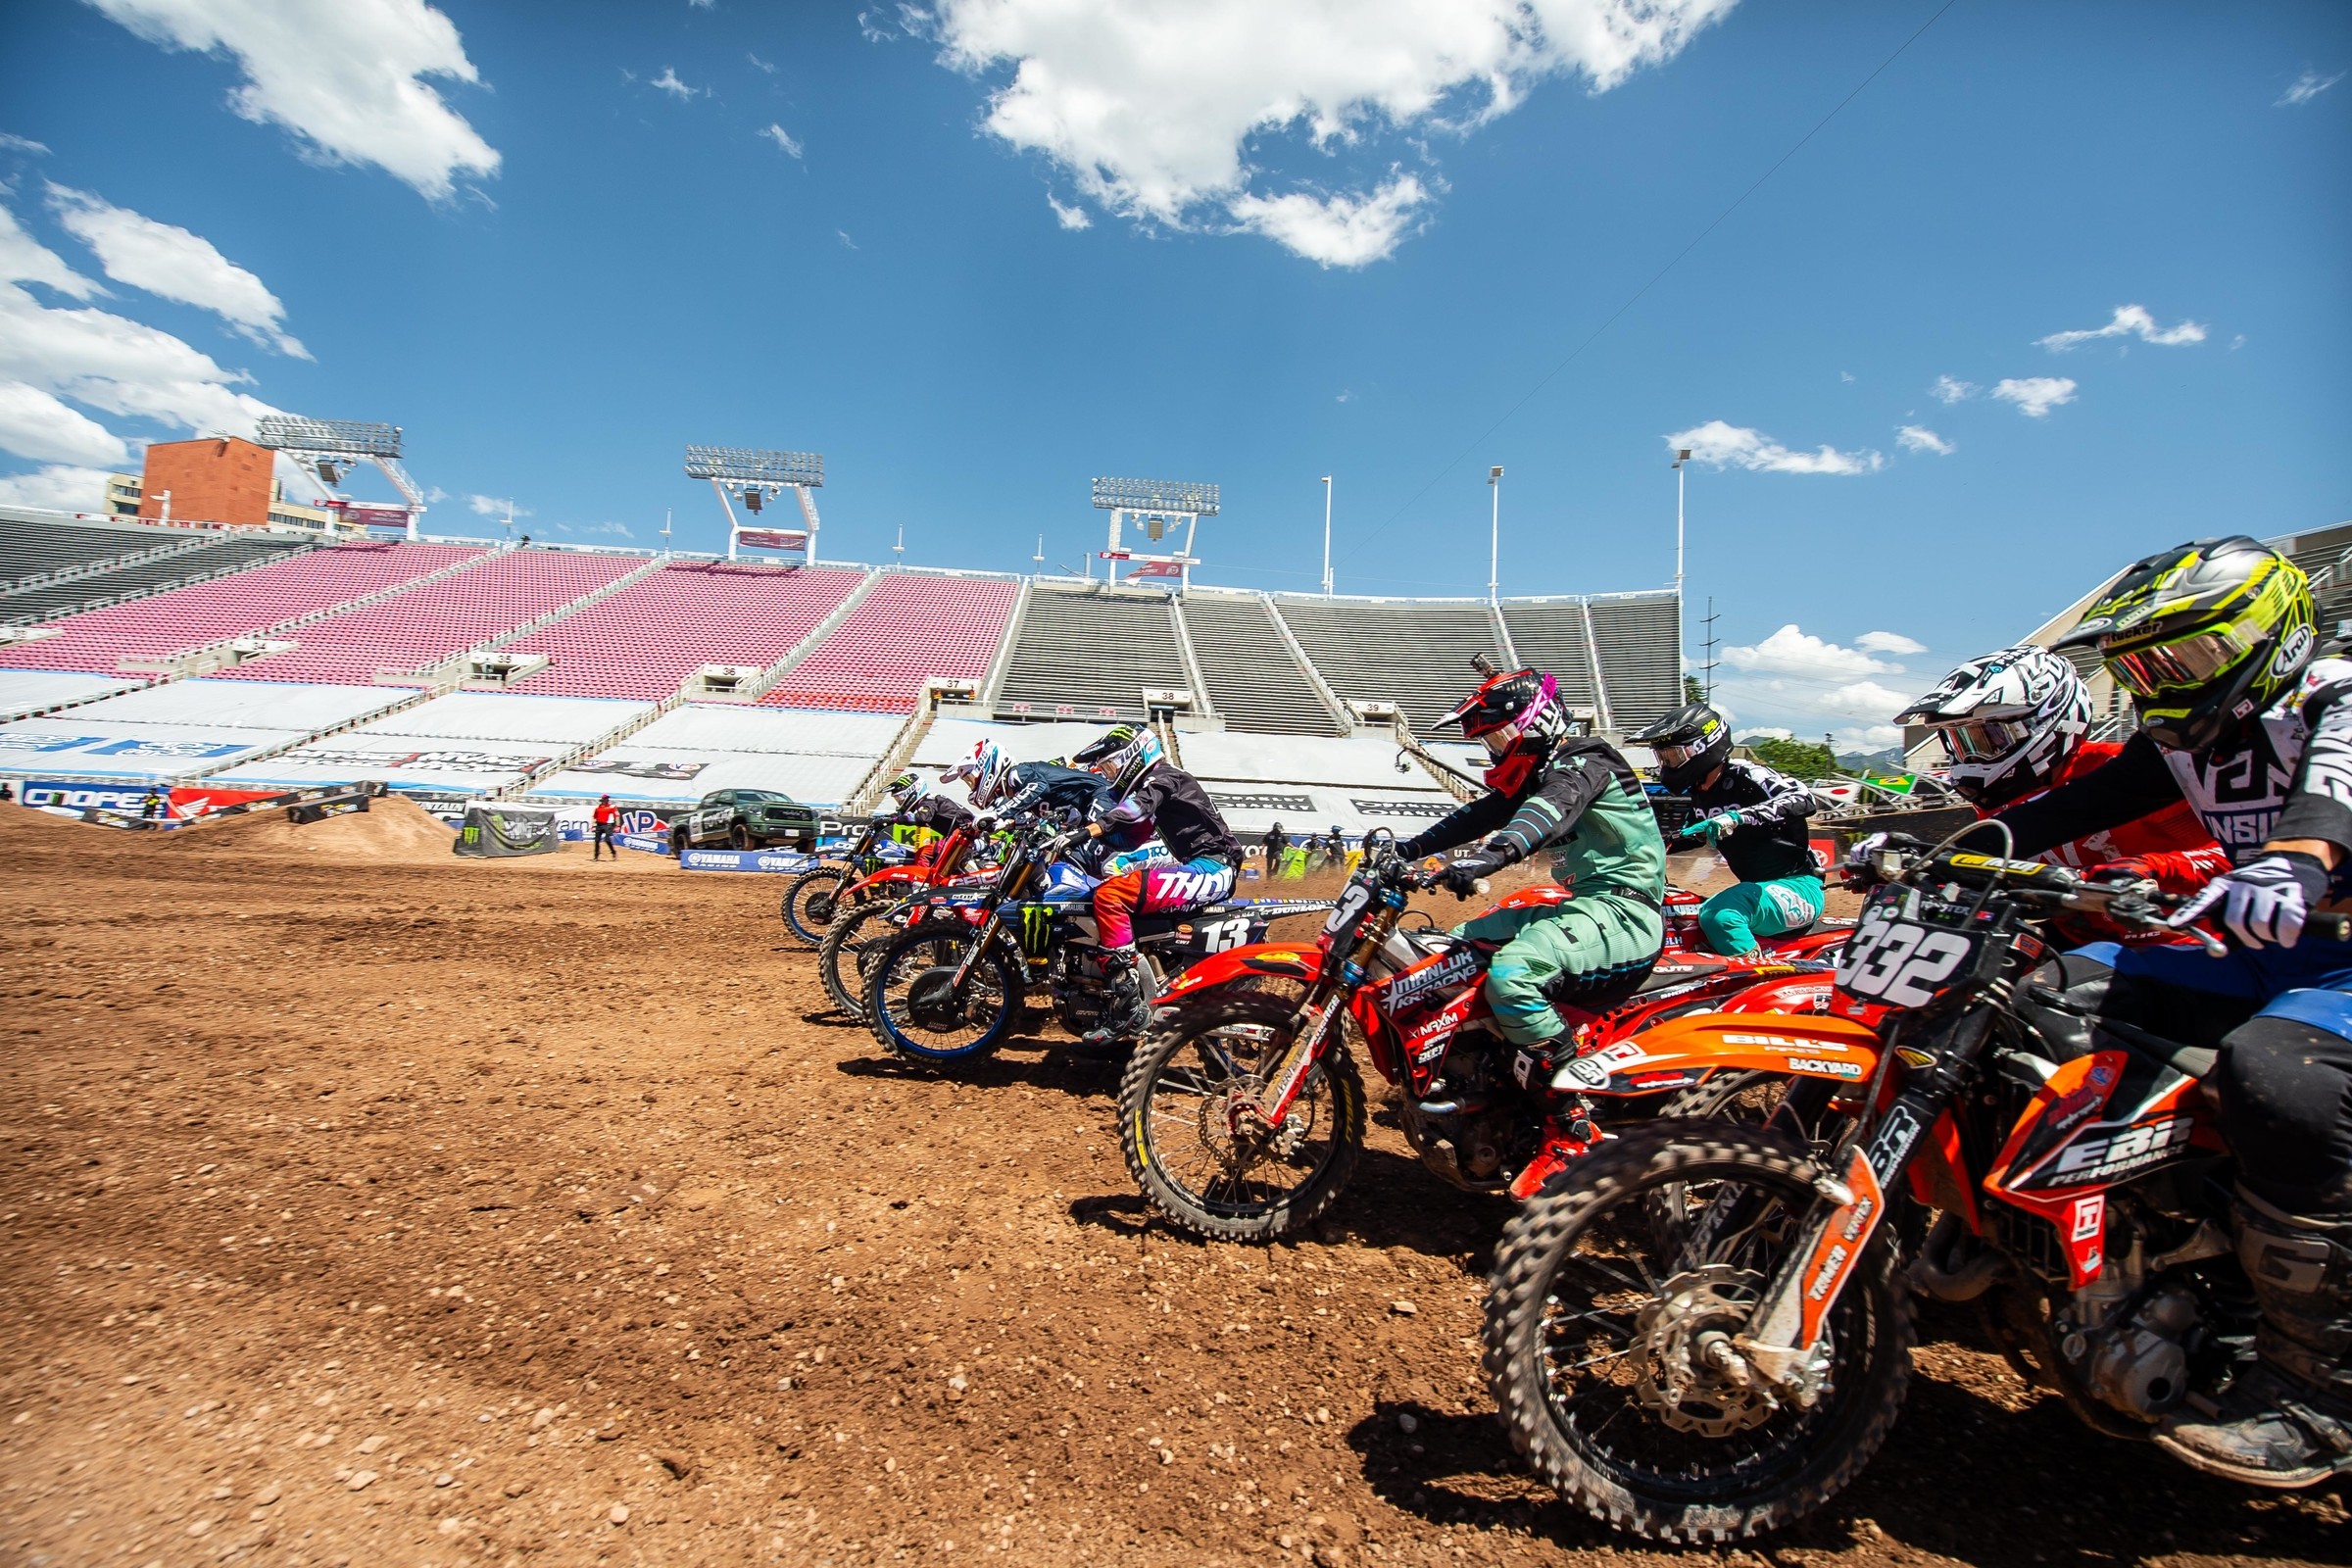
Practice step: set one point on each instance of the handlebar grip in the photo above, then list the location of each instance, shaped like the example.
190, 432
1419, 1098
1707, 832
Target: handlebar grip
2329, 927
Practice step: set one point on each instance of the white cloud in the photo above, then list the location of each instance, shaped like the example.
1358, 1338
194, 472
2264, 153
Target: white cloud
1847, 376
2131, 320
1773, 732
1721, 445
1862, 699
703, 5
759, 64
1794, 653
61, 487
780, 136
2035, 395
34, 424
1919, 438
23, 144
843, 235
1950, 389
1889, 642
1867, 738
1155, 110
25, 260
1069, 216
668, 82
174, 265
494, 506
2306, 87
347, 78
1334, 231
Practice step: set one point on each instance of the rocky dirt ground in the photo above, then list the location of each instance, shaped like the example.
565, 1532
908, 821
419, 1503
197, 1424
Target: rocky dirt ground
365, 1206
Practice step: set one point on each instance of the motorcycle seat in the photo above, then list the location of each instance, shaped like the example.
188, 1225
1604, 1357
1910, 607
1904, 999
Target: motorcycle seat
1600, 989
1679, 969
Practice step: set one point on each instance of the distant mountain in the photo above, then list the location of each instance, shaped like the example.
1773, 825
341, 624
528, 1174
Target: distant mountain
1889, 760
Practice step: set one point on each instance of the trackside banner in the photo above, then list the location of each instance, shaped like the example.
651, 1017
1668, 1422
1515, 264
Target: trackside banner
650, 843
746, 860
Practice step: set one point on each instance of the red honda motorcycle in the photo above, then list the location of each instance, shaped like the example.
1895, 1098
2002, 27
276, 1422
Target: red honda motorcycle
1242, 1113
873, 908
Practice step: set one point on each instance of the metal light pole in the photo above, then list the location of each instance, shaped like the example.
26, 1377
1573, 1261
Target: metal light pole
1327, 536
1494, 537
1682, 455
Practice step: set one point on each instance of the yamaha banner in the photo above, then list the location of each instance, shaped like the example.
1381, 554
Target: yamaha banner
746, 860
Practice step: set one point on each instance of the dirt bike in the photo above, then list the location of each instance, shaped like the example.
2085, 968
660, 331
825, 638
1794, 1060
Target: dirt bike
1242, 1113
1703, 1332
813, 897
948, 989
876, 906
1681, 919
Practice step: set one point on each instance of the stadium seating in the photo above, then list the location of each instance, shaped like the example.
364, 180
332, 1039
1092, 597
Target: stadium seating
182, 729
815, 756
1550, 635
127, 563
438, 621
907, 628
1254, 681
1641, 660
26, 692
1091, 654
163, 625
1413, 653
646, 640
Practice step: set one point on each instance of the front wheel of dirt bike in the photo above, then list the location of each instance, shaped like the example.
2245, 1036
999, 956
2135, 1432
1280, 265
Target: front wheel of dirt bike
1604, 1344
918, 1012
1197, 1159
812, 899
852, 944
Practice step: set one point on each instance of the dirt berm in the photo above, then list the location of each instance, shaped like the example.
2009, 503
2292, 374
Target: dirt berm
369, 1210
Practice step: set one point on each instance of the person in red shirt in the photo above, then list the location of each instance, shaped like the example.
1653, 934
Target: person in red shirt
605, 816
2013, 724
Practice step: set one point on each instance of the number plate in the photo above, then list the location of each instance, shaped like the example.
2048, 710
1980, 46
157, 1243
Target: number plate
1354, 899
1902, 954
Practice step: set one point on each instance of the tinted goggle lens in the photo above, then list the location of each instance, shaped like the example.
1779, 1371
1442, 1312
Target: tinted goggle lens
1676, 756
2169, 666
1979, 740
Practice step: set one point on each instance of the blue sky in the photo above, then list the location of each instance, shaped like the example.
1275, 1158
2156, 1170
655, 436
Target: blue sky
980, 251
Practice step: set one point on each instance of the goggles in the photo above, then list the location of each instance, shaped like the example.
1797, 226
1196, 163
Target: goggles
2186, 661
1675, 755
1984, 740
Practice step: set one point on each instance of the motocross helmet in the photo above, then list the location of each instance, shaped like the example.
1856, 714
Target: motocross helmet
1690, 743
1095, 754
907, 789
1517, 715
2204, 636
2009, 721
988, 770
1126, 764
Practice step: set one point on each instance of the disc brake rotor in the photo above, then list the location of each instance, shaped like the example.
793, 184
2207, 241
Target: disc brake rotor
932, 1002
1680, 1383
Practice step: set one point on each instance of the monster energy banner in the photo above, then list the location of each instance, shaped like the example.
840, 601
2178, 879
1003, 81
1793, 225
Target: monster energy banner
493, 829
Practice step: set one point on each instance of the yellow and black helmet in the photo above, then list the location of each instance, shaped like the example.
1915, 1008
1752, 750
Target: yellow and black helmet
2204, 636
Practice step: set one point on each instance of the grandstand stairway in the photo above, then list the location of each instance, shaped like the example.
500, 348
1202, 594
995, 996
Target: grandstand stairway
1254, 681
1413, 653
1637, 639
1555, 637
1090, 654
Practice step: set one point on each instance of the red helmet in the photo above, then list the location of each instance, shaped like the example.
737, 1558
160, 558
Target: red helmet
1519, 717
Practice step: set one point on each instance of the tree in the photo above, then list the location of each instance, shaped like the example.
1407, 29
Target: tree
1692, 691
1794, 758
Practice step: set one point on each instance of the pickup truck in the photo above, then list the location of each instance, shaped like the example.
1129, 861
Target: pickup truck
744, 819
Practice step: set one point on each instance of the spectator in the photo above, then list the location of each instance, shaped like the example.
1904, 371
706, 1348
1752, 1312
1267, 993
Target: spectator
153, 806
605, 817
1276, 841
6, 792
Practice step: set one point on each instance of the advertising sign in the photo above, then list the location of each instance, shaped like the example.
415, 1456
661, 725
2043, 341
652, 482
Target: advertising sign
772, 538
675, 771
746, 860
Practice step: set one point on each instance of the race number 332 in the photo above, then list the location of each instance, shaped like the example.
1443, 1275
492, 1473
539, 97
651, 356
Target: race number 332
1899, 963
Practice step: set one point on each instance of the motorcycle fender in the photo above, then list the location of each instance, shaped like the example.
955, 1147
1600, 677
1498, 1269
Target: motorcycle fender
1803, 995
888, 877
1937, 1178
1541, 896
1686, 1049
1288, 959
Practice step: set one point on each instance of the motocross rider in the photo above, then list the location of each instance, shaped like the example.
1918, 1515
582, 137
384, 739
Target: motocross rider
2013, 724
2213, 639
1753, 815
1578, 796
1002, 788
1149, 796
924, 812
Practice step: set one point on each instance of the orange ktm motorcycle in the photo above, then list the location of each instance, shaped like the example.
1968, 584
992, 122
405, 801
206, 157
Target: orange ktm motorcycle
1241, 1112
1703, 1331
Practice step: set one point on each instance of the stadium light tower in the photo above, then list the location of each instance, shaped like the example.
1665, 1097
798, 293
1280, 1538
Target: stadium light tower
1327, 536
756, 475
1495, 536
329, 449
1682, 455
1159, 505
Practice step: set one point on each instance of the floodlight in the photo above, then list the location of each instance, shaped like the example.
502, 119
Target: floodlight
751, 500
1176, 498
329, 472
365, 438
1157, 528
1494, 474
756, 465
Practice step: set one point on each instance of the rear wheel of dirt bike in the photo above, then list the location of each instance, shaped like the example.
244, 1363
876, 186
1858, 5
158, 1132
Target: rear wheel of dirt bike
852, 944
812, 899
1600, 1342
1179, 1133
916, 1011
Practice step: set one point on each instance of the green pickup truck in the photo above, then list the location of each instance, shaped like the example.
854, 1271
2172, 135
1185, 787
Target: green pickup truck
744, 819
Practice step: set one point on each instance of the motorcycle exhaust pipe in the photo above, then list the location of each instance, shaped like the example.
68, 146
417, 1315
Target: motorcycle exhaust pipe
1935, 1271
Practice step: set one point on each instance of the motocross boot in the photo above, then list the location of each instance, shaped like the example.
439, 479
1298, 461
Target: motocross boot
1124, 1012
2288, 1422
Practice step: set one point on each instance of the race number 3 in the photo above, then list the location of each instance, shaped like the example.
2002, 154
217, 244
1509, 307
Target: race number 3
1900, 963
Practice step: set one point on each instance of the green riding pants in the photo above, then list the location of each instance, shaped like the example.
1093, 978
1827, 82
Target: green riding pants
1736, 917
1583, 938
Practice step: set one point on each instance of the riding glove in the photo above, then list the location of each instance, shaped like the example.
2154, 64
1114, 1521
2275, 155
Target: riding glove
2264, 902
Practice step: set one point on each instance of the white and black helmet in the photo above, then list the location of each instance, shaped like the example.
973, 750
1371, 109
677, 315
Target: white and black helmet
2009, 720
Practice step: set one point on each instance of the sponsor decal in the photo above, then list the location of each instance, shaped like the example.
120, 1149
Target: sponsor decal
1782, 1043
2103, 1156
1824, 1274
1894, 1139
2291, 650
1582, 1072
2088, 1216
746, 860
1433, 974
675, 772
1836, 1070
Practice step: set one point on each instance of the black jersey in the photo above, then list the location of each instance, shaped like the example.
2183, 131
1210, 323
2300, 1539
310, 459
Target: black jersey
1770, 839
1172, 803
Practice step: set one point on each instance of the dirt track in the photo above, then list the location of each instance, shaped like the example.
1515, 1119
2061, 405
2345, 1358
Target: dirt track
374, 1207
